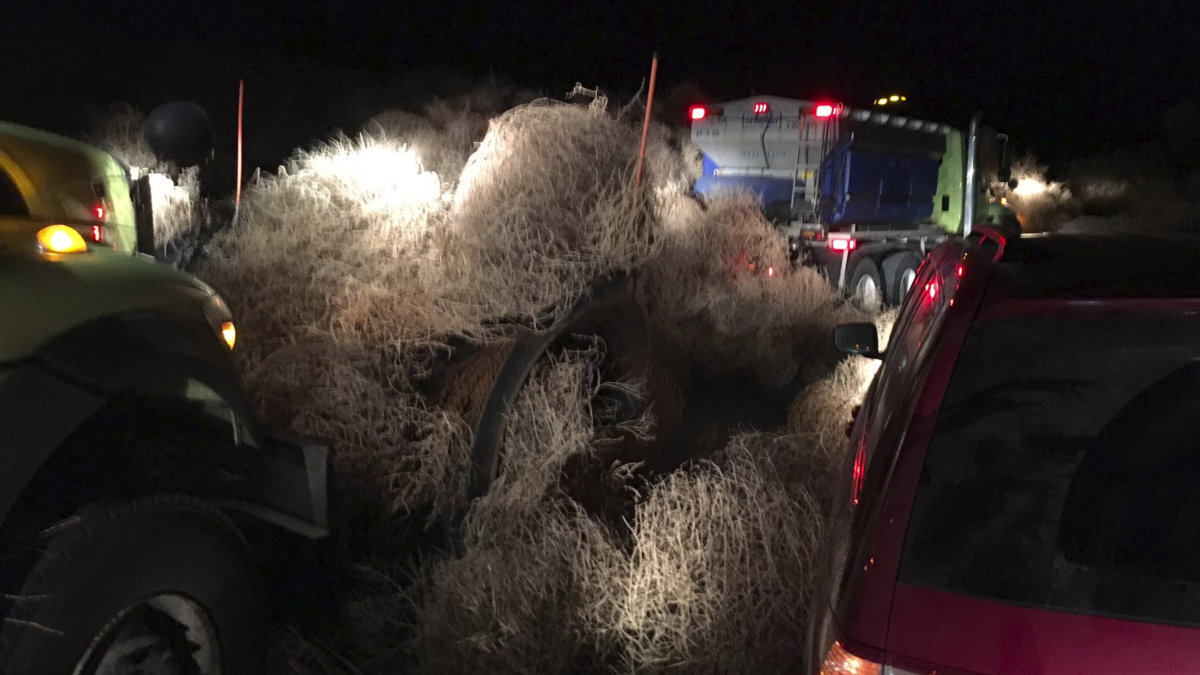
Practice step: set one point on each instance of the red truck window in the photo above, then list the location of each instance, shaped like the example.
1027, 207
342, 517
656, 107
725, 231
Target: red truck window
1064, 469
885, 416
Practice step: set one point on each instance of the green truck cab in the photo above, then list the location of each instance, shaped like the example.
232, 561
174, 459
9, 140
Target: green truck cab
141, 507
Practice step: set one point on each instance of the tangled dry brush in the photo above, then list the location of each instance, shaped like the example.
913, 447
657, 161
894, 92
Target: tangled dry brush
365, 261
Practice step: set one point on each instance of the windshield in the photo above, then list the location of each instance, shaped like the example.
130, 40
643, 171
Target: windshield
1064, 470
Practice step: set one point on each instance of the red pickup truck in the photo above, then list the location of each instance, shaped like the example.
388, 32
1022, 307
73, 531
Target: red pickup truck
1022, 491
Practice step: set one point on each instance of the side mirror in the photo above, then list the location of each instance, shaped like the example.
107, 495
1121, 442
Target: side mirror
1004, 173
857, 338
180, 133
1013, 183
143, 211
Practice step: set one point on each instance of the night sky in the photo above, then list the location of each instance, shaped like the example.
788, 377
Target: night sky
1065, 82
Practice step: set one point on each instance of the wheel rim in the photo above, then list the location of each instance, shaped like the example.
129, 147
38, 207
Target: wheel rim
867, 291
166, 633
907, 277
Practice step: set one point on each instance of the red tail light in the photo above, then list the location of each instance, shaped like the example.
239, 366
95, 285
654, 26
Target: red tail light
825, 110
697, 113
843, 244
99, 212
97, 233
839, 661
761, 108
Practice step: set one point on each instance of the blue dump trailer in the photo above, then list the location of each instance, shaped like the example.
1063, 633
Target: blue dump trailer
861, 194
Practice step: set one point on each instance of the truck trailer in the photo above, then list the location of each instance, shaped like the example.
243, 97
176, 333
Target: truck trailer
862, 194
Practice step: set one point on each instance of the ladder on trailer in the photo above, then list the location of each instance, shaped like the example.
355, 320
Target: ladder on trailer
815, 137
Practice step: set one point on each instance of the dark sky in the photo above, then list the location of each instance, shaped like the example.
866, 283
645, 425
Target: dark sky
1066, 79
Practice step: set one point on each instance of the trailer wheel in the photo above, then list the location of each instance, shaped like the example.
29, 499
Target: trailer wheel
866, 285
610, 313
899, 273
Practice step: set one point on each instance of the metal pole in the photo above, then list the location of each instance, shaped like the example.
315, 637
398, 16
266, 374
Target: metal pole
237, 199
641, 162
970, 189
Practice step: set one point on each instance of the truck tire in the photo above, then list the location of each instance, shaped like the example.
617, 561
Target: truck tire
154, 585
899, 273
866, 285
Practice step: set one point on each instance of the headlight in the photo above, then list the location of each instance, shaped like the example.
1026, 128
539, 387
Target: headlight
220, 319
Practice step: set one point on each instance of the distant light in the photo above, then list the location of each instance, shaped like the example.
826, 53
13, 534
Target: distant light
1030, 187
959, 271
882, 101
827, 110
697, 112
761, 108
771, 271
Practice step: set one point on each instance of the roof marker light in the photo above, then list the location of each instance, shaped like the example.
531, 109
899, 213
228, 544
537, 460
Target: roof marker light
761, 108
825, 110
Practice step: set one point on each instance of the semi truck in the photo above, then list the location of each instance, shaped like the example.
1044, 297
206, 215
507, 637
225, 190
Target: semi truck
862, 194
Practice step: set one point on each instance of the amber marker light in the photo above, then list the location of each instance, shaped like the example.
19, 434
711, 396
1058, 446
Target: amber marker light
61, 239
228, 333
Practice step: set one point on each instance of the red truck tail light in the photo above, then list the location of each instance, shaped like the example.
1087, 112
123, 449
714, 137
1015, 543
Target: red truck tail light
839, 661
97, 233
697, 113
761, 108
842, 244
99, 212
826, 110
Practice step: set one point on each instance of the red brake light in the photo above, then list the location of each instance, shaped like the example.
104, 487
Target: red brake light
98, 212
97, 232
843, 244
697, 113
932, 288
761, 108
827, 110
